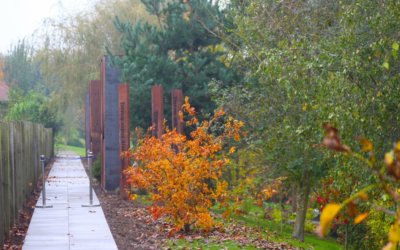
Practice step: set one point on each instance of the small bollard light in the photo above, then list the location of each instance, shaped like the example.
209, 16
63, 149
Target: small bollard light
42, 161
90, 157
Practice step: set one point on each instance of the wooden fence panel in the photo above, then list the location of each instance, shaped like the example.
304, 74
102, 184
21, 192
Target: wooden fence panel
21, 144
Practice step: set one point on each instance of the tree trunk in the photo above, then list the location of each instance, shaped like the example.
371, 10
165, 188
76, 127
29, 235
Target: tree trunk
302, 205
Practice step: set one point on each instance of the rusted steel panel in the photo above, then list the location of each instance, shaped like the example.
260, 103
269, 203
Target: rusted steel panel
124, 132
95, 117
157, 109
177, 102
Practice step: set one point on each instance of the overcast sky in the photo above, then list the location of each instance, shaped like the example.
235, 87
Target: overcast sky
20, 18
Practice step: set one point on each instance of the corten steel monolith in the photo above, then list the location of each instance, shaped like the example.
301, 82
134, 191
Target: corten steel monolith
124, 133
87, 122
157, 109
111, 163
177, 102
95, 117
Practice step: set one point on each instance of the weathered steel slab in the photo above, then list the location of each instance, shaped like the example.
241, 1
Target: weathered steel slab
177, 102
157, 109
124, 132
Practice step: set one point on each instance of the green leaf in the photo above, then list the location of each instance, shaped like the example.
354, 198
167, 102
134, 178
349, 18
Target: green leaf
395, 46
386, 65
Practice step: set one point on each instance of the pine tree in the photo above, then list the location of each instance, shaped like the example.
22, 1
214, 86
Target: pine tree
182, 51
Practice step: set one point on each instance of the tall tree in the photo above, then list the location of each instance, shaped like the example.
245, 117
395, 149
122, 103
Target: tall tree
292, 88
180, 51
20, 69
309, 62
71, 49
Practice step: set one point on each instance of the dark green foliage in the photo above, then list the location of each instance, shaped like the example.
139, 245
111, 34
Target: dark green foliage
19, 68
181, 52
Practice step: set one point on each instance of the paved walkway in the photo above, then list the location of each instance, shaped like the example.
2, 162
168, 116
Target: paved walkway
68, 225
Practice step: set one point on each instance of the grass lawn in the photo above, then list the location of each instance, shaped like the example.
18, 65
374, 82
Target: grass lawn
284, 234
78, 150
271, 230
202, 244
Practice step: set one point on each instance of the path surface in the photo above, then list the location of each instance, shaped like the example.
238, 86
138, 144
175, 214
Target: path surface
68, 225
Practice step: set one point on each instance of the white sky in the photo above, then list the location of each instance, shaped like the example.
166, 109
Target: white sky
20, 18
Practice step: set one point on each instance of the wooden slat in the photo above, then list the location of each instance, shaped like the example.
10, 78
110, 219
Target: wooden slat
21, 144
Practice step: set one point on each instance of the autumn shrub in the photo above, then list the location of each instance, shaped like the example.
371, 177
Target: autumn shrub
183, 173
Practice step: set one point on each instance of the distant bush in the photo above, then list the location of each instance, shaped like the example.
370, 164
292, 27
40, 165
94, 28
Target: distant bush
76, 142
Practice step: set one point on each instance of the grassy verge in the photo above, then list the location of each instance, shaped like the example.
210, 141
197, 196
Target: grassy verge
271, 230
207, 245
277, 233
78, 150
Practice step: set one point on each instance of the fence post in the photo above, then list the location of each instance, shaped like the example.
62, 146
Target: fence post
42, 160
90, 157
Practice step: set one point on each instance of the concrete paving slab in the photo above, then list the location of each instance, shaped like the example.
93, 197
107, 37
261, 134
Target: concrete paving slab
68, 225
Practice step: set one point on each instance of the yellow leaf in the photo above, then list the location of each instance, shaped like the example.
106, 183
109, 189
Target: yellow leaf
363, 196
366, 145
328, 214
180, 114
132, 197
232, 150
305, 106
397, 146
394, 233
360, 218
186, 15
389, 159
389, 246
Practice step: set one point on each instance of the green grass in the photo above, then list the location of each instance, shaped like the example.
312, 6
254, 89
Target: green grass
201, 244
274, 232
78, 150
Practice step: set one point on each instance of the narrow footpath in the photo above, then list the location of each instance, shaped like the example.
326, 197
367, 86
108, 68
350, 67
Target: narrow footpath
68, 225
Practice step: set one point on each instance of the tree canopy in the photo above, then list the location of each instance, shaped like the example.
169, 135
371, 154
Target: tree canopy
180, 51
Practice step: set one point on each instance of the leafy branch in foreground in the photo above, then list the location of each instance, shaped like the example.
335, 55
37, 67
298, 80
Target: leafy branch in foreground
387, 173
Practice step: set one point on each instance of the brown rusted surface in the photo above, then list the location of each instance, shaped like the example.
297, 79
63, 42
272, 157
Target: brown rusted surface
177, 102
87, 124
102, 83
157, 109
124, 133
95, 116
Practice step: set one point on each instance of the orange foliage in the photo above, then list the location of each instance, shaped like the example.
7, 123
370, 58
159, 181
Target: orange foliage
183, 175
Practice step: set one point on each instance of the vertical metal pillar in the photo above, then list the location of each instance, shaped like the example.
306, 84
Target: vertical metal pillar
90, 157
42, 161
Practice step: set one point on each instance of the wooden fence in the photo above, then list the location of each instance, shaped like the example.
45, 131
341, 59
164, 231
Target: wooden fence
21, 144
